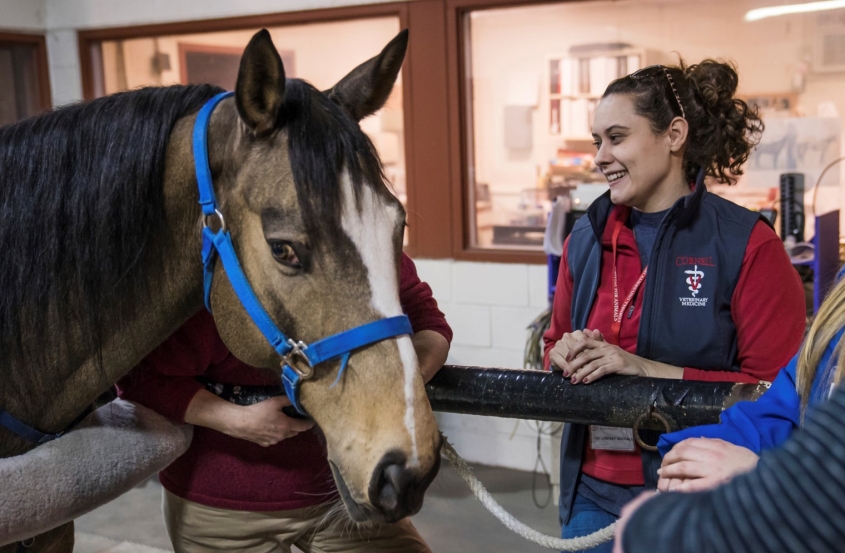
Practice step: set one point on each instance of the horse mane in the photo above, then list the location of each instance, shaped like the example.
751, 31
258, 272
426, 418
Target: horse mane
81, 199
323, 142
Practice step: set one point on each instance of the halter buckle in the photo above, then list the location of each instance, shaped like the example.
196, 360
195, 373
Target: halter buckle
219, 215
298, 349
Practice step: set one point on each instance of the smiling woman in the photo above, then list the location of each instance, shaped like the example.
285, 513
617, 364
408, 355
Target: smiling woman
663, 278
641, 167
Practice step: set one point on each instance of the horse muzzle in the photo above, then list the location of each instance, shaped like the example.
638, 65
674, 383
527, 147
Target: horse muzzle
396, 490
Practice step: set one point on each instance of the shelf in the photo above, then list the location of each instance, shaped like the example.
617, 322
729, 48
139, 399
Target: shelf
575, 82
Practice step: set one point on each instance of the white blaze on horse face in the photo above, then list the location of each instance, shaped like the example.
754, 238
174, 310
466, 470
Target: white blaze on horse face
409, 362
372, 231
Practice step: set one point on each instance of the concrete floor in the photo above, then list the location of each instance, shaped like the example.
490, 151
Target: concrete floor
451, 520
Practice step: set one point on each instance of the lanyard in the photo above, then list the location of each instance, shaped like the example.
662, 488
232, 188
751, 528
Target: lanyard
619, 310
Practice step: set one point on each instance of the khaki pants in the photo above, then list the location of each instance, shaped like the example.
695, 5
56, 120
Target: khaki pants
196, 528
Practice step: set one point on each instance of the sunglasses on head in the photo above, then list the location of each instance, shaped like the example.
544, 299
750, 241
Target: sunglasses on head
653, 71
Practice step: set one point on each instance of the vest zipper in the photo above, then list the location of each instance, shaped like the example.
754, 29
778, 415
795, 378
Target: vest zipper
648, 295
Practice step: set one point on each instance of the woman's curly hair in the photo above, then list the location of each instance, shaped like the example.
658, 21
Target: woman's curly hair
723, 129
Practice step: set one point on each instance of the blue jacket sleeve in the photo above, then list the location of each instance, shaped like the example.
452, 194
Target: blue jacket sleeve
756, 425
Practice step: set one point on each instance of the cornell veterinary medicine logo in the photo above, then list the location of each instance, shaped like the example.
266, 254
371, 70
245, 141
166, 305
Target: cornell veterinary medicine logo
693, 280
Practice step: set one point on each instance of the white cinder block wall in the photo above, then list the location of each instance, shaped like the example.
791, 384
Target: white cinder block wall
489, 306
23, 15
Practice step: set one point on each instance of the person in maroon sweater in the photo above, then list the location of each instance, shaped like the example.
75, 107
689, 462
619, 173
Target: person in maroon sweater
254, 479
662, 278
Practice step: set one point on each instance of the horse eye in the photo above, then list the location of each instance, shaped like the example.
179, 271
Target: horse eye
284, 253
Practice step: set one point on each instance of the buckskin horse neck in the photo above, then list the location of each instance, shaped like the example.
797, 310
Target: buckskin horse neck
101, 239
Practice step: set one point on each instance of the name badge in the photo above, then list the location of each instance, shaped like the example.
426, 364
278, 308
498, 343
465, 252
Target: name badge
611, 438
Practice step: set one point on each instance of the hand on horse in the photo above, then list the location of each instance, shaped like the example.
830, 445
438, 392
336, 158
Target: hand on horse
265, 424
698, 464
262, 423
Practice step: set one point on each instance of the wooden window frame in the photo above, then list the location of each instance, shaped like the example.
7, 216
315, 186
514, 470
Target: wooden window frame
459, 129
434, 111
40, 42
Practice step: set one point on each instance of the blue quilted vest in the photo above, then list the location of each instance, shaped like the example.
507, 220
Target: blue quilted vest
686, 309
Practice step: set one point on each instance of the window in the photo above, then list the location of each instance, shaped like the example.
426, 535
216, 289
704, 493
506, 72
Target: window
533, 75
24, 90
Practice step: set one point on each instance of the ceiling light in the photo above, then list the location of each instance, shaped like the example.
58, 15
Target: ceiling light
762, 13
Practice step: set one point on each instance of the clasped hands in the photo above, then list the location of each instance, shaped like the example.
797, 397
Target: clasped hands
584, 356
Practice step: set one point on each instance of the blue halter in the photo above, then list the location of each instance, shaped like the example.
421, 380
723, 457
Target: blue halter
338, 346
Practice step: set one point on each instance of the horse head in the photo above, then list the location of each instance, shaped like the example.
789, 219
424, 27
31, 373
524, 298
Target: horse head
319, 238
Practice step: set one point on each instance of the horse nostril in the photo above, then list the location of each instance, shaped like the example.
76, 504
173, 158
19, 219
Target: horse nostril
391, 487
396, 490
389, 483
394, 475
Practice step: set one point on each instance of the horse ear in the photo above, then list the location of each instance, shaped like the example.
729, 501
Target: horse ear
260, 90
366, 88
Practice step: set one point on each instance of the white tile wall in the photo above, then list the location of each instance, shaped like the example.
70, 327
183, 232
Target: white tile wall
503, 442
510, 324
489, 306
23, 15
490, 283
438, 275
538, 288
65, 74
484, 357
474, 322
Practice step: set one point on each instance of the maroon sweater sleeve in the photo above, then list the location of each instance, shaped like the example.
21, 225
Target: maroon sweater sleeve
419, 303
561, 307
767, 309
165, 380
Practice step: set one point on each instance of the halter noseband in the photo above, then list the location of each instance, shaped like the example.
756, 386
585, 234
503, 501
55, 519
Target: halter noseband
340, 345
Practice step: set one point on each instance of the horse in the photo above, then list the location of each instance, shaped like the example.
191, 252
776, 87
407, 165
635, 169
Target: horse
100, 230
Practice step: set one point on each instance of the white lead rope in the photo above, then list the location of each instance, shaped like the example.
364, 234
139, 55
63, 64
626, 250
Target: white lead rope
574, 544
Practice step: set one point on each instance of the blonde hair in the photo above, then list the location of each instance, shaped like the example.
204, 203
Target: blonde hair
829, 320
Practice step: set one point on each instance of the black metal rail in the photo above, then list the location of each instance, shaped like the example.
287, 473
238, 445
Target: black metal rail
539, 395
612, 401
